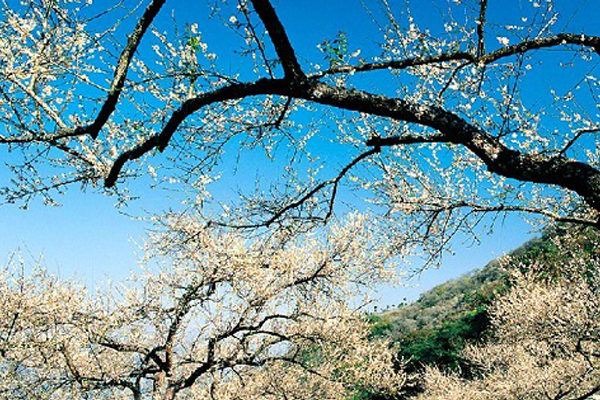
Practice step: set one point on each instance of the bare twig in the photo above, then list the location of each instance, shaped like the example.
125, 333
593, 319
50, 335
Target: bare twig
578, 134
302, 200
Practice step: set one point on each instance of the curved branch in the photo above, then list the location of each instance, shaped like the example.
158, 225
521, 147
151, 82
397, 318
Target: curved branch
578, 134
540, 43
161, 140
116, 87
484, 208
396, 64
483, 59
538, 168
184, 305
295, 204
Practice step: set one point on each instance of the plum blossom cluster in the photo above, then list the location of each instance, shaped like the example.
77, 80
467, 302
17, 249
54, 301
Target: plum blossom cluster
219, 317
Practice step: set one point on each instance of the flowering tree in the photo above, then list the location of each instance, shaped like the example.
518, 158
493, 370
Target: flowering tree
224, 318
545, 336
454, 131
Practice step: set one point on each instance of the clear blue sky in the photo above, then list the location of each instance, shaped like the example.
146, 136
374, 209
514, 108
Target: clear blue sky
88, 238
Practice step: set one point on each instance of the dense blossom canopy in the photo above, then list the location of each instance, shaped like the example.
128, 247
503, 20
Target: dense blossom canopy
222, 318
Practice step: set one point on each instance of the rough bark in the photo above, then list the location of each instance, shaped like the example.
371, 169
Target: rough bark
538, 168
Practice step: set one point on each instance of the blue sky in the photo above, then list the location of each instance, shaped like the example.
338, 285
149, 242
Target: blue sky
91, 240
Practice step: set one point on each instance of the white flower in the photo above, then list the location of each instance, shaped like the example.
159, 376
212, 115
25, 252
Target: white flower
233, 19
503, 40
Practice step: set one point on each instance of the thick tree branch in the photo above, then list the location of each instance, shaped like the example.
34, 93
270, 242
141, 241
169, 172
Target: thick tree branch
588, 394
184, 305
280, 40
114, 92
538, 168
188, 381
161, 140
129, 348
413, 138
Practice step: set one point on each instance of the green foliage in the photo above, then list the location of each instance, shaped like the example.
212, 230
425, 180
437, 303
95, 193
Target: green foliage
335, 50
311, 356
381, 326
194, 43
442, 346
366, 395
439, 346
446, 302
434, 330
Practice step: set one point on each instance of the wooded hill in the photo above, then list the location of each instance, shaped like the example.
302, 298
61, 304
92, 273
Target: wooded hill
433, 330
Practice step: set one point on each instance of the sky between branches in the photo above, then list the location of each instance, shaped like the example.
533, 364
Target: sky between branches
87, 237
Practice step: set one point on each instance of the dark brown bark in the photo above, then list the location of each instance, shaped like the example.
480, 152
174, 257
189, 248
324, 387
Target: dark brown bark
161, 140
538, 168
557, 170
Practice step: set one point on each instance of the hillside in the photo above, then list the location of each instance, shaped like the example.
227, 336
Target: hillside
449, 300
445, 301
433, 330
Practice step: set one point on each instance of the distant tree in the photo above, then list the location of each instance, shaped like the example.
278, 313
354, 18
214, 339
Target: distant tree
460, 125
546, 336
223, 318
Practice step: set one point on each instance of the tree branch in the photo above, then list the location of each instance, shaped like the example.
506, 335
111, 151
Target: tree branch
436, 137
578, 134
114, 92
198, 372
538, 168
396, 64
258, 41
436, 207
121, 69
297, 203
480, 28
183, 307
161, 140
540, 43
489, 58
280, 40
